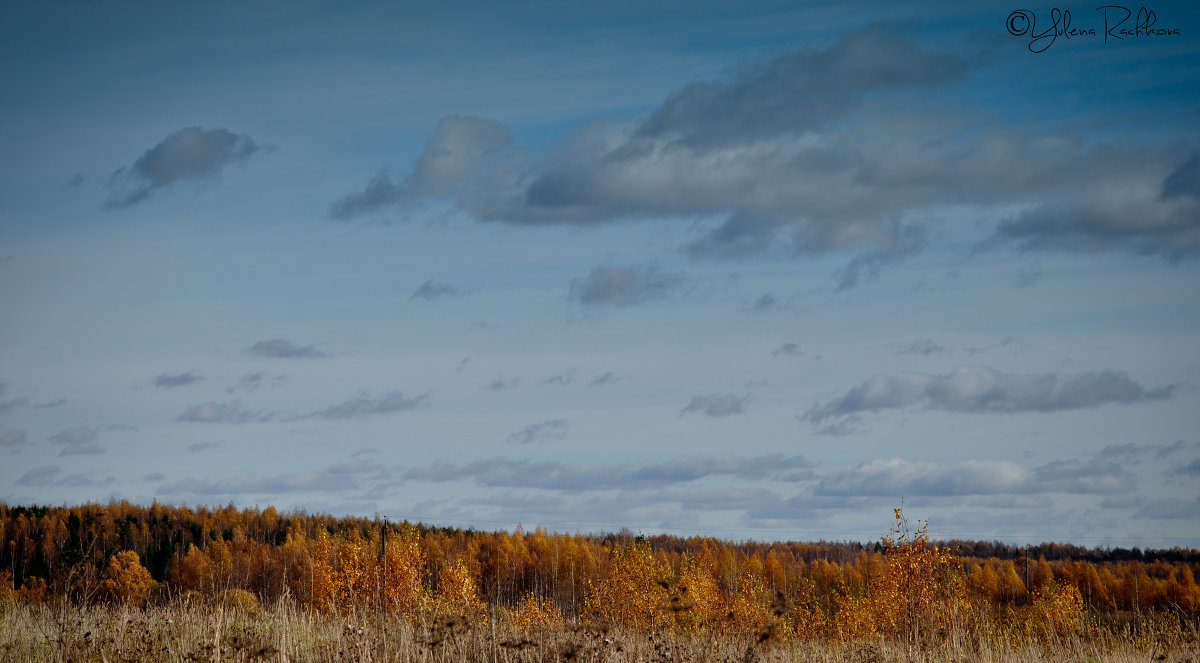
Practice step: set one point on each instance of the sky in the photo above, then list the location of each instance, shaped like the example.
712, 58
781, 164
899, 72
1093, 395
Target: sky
756, 270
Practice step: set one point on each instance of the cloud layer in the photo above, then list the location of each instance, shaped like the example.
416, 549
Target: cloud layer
984, 390
504, 472
896, 477
818, 150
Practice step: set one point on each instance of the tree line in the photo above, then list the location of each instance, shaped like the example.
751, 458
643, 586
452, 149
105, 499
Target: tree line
122, 552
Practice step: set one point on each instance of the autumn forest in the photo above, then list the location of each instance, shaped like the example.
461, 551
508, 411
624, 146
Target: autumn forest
903, 588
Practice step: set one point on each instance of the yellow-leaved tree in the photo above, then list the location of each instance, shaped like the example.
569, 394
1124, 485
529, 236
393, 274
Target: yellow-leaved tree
920, 590
458, 593
126, 580
635, 592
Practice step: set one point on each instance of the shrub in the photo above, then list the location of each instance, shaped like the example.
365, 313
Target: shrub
240, 600
126, 580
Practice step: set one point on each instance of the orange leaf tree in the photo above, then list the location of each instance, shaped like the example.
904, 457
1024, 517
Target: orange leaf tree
126, 580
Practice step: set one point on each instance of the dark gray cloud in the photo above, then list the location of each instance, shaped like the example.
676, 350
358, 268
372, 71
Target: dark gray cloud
1134, 453
791, 349
1183, 182
77, 441
11, 438
1171, 508
213, 412
364, 405
981, 389
608, 377
562, 379
85, 480
177, 380
500, 384
923, 346
202, 446
41, 475
458, 148
551, 430
279, 348
1028, 277
767, 303
505, 472
252, 381
1139, 204
10, 404
908, 241
1096, 476
431, 290
801, 91
1188, 469
844, 426
154, 476
193, 153
381, 192
626, 286
896, 477
715, 405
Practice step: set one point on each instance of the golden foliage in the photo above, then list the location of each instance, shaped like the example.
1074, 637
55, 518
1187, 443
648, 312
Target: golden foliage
458, 593
1057, 610
919, 590
126, 580
634, 592
400, 577
196, 570
532, 615
7, 593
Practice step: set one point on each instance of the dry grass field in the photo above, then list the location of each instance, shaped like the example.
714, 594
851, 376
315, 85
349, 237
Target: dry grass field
194, 629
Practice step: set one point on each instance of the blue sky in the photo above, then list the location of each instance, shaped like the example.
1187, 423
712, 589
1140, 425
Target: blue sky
757, 270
